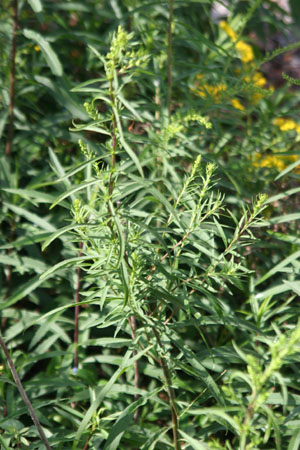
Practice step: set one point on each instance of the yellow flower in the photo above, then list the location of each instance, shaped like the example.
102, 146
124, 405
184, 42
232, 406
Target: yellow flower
259, 79
214, 91
270, 161
37, 48
237, 104
286, 124
278, 162
245, 51
224, 25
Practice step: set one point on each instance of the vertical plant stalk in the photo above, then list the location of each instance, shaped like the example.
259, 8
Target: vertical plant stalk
76, 315
170, 50
24, 395
171, 395
114, 148
86, 445
132, 323
12, 78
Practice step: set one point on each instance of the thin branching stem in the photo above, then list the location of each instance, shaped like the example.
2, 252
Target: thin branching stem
23, 394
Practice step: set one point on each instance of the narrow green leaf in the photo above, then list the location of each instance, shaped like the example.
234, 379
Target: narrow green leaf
126, 419
288, 169
62, 231
70, 192
64, 264
58, 167
93, 127
24, 290
27, 240
130, 108
126, 147
273, 424
293, 285
88, 83
3, 117
287, 193
31, 217
23, 263
59, 89
127, 362
36, 5
125, 282
50, 56
277, 289
195, 444
120, 233
202, 372
294, 443
158, 195
279, 219
217, 412
38, 196
108, 342
279, 266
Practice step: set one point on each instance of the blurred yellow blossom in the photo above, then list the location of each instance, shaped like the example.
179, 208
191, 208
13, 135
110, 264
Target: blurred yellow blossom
260, 81
207, 89
270, 161
274, 161
237, 104
245, 50
224, 25
37, 48
286, 124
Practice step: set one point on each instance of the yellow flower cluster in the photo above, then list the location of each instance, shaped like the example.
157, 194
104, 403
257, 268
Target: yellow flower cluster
237, 104
214, 91
278, 162
286, 124
246, 54
245, 50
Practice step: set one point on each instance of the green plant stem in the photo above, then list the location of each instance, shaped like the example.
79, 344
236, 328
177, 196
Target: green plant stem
76, 314
170, 81
113, 153
24, 395
114, 140
171, 395
12, 79
132, 322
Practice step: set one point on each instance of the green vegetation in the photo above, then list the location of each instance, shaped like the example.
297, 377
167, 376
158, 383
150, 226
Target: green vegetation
150, 240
